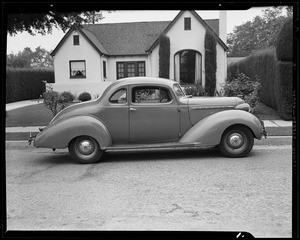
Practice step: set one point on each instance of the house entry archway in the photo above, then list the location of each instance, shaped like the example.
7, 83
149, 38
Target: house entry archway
188, 67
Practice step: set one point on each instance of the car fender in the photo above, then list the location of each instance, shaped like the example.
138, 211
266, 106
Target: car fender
59, 134
209, 130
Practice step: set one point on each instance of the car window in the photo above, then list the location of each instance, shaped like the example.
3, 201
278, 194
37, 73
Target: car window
119, 96
178, 90
150, 95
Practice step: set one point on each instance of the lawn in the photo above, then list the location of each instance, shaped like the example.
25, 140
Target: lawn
35, 115
39, 115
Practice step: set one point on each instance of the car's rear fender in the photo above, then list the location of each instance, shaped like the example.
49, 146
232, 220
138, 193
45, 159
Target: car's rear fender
59, 134
209, 130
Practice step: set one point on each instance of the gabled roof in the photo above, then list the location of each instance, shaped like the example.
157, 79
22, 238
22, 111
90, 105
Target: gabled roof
211, 25
134, 38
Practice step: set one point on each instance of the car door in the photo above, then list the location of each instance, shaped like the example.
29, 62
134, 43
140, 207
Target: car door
153, 114
115, 115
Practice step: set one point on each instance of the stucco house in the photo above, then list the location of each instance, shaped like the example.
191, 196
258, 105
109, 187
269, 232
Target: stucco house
89, 58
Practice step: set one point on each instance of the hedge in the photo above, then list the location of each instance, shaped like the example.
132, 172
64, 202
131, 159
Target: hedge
284, 47
285, 96
260, 66
26, 83
164, 56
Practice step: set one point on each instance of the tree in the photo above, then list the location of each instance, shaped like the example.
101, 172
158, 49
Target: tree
28, 58
47, 17
210, 44
257, 34
164, 56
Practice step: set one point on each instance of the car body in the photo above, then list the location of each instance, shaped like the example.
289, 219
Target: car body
144, 112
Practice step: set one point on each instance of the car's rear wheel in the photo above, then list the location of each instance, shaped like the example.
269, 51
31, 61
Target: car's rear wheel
236, 141
85, 149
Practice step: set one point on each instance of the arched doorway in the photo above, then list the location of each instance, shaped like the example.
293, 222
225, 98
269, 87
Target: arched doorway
188, 67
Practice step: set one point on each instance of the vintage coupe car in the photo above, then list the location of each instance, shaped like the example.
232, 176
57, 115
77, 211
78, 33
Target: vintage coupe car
144, 112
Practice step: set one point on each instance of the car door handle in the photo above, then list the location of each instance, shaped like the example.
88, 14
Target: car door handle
132, 109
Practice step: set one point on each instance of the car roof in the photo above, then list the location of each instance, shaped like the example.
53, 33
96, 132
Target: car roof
143, 80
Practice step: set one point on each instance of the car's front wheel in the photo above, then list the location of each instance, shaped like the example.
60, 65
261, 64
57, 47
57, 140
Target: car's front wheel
236, 141
85, 149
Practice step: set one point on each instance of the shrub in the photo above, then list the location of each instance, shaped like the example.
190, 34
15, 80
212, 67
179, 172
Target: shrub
284, 47
164, 56
85, 96
243, 87
194, 90
260, 65
64, 99
210, 63
55, 101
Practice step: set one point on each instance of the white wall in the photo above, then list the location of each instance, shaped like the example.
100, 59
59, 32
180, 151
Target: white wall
193, 39
221, 66
94, 65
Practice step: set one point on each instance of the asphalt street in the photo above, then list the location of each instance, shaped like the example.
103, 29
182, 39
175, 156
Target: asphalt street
185, 190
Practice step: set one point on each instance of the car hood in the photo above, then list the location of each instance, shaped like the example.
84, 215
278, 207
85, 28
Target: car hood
214, 101
84, 108
201, 107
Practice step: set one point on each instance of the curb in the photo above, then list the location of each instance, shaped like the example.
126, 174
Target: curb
274, 140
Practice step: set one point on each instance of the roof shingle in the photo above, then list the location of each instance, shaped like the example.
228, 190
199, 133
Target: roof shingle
133, 38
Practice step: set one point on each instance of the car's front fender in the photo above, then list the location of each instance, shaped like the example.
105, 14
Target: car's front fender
209, 130
59, 134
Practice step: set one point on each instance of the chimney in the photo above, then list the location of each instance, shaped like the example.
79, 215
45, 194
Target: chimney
223, 26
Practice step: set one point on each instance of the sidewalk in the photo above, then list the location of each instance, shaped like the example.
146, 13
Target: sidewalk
15, 105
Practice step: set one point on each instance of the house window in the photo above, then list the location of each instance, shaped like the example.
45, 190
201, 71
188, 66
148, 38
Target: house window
104, 69
187, 24
75, 39
130, 69
77, 69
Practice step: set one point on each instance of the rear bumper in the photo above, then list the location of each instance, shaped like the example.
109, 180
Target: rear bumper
32, 137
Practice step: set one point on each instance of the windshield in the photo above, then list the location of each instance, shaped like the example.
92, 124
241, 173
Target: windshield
178, 90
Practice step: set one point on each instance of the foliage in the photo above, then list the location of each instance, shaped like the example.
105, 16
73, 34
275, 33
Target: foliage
22, 18
26, 83
85, 96
51, 101
210, 44
284, 89
262, 65
28, 58
257, 34
194, 90
164, 56
243, 87
284, 48
55, 101
65, 98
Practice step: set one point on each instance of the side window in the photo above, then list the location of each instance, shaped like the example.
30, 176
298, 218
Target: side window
119, 96
150, 95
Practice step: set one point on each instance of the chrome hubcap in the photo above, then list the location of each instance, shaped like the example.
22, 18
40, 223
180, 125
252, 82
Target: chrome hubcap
86, 147
236, 140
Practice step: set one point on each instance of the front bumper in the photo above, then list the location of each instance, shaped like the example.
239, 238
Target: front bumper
264, 131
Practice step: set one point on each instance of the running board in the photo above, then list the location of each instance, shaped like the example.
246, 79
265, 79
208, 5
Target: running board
154, 145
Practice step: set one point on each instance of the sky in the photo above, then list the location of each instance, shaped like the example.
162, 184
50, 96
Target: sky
49, 42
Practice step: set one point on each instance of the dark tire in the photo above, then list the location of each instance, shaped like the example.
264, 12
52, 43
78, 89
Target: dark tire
85, 149
236, 142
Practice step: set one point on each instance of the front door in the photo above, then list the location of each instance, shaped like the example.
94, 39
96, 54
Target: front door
153, 115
